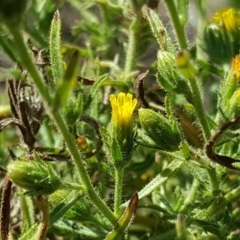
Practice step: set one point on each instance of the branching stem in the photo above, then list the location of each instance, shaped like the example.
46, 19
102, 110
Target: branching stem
59, 121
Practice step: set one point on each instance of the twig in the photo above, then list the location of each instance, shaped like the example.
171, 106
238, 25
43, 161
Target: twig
5, 208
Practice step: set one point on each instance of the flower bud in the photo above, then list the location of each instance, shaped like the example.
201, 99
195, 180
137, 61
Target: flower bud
234, 104
185, 66
37, 176
157, 128
167, 75
218, 44
229, 18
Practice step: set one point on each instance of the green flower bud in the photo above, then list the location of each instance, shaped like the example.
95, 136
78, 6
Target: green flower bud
159, 130
11, 11
167, 75
218, 44
35, 176
234, 104
185, 66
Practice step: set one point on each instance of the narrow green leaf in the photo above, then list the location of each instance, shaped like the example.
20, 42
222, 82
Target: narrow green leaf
97, 85
63, 206
80, 232
106, 138
125, 220
199, 171
159, 31
66, 85
30, 234
27, 210
122, 86
160, 179
116, 153
170, 112
54, 45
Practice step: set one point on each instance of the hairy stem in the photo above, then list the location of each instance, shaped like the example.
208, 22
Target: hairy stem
198, 105
118, 190
59, 121
130, 55
191, 196
27, 210
43, 206
201, 18
179, 28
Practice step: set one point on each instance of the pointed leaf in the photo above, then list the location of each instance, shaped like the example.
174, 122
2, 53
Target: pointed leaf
30, 234
54, 45
97, 85
158, 30
160, 179
66, 85
125, 220
63, 207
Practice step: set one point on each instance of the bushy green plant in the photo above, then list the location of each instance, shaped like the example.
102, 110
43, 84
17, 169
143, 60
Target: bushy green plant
97, 143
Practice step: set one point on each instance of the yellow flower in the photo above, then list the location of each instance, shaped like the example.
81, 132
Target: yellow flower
228, 17
236, 66
123, 106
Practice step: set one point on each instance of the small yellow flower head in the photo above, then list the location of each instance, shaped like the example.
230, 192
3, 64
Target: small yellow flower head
228, 17
236, 66
123, 106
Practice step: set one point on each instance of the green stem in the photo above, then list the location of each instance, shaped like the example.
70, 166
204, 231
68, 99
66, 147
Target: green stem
199, 109
70, 142
130, 55
205, 127
220, 203
72, 186
48, 133
118, 190
181, 228
27, 210
213, 179
179, 28
201, 18
43, 206
190, 197
59, 121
